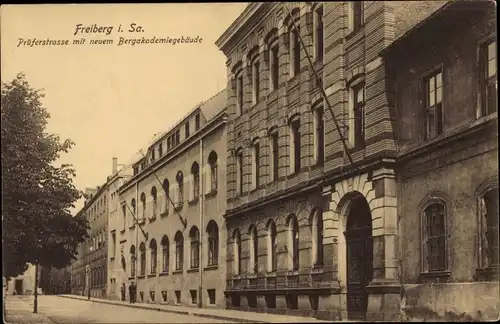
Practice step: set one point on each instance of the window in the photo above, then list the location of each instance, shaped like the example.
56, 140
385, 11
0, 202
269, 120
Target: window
153, 155
132, 261
166, 188
133, 211
211, 296
318, 34
165, 254
488, 224
136, 170
317, 237
319, 138
187, 129
153, 250
160, 149
274, 155
434, 108
143, 205
213, 243
164, 295
434, 240
295, 146
194, 236
255, 81
154, 195
180, 183
254, 249
236, 252
294, 50
177, 296
355, 15
255, 165
239, 93
212, 161
113, 249
195, 173
274, 65
179, 251
169, 143
194, 296
142, 250
356, 115
488, 78
293, 242
271, 247
197, 122
239, 172
177, 137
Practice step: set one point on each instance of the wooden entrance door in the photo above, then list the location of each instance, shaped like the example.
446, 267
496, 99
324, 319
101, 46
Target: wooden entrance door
359, 259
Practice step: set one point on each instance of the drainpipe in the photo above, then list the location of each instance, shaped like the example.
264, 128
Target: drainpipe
200, 184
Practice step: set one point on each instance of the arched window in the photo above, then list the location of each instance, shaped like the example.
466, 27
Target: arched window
142, 214
271, 247
132, 261
153, 250
434, 237
213, 243
166, 190
254, 249
239, 172
165, 253
212, 161
180, 183
237, 252
293, 243
132, 203
488, 230
154, 195
179, 250
295, 145
142, 251
317, 237
194, 237
294, 44
195, 173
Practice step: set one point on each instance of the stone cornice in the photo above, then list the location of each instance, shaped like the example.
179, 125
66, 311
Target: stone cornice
245, 22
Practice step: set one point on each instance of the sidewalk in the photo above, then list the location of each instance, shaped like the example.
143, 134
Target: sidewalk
221, 314
19, 310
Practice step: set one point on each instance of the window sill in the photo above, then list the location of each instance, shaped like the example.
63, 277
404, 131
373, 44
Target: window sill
112, 258
251, 276
317, 269
164, 214
122, 231
193, 201
292, 273
211, 267
272, 274
177, 271
436, 276
193, 270
163, 274
142, 222
131, 227
212, 193
151, 275
152, 219
141, 277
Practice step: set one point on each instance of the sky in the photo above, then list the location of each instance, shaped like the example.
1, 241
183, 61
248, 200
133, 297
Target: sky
109, 99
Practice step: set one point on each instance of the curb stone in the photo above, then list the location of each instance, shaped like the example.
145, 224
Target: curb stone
103, 301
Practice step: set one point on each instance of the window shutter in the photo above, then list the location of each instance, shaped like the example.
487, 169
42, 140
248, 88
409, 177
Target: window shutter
190, 187
207, 179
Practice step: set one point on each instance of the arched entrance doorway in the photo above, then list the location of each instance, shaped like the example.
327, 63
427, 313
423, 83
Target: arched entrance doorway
359, 242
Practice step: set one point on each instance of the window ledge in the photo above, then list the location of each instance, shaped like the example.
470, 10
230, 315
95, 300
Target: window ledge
177, 271
163, 274
193, 270
111, 258
292, 273
317, 269
151, 275
251, 276
271, 274
152, 219
211, 267
441, 275
131, 227
122, 231
488, 274
212, 193
142, 222
193, 201
165, 213
141, 277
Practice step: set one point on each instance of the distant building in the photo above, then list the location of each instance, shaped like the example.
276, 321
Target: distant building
23, 284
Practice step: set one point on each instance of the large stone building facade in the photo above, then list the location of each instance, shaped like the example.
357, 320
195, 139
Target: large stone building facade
313, 216
172, 232
444, 95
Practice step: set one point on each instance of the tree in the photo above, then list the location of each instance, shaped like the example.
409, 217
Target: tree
37, 196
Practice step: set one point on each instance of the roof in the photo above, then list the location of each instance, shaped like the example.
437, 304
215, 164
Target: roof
211, 107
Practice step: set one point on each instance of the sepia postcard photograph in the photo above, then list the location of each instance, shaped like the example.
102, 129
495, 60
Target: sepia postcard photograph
250, 162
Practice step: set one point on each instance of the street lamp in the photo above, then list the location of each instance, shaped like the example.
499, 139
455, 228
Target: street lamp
87, 268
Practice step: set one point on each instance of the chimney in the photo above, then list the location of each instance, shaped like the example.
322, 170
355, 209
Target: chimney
115, 165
